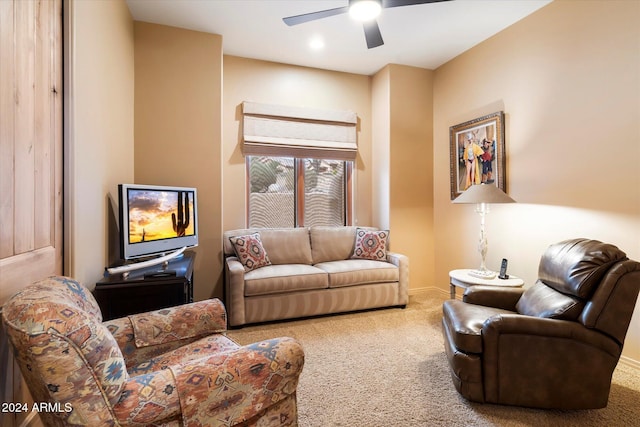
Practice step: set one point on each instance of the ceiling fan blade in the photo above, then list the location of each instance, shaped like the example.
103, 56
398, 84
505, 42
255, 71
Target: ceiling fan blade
398, 3
372, 34
307, 17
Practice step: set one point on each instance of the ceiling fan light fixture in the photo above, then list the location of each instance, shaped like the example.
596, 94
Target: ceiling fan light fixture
364, 10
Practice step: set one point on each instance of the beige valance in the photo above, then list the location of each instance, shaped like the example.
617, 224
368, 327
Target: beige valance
278, 130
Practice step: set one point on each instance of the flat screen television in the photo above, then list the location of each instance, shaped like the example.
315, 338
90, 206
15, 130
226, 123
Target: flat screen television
156, 219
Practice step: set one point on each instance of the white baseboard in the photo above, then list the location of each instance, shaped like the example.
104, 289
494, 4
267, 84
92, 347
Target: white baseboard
630, 362
425, 289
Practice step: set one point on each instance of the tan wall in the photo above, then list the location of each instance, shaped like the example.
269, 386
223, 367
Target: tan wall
411, 177
402, 200
268, 82
178, 96
568, 79
381, 146
99, 84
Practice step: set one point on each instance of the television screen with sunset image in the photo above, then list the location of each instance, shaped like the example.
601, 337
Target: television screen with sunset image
156, 215
157, 219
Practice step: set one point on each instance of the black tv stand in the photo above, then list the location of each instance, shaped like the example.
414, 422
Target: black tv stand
146, 289
161, 273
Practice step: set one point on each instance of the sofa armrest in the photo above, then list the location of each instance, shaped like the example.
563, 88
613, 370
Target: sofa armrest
238, 384
492, 296
402, 262
140, 335
234, 285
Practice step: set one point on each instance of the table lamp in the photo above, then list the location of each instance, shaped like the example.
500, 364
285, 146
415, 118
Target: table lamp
482, 195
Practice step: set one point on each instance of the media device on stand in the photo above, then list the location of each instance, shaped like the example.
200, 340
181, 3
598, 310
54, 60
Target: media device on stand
163, 259
157, 224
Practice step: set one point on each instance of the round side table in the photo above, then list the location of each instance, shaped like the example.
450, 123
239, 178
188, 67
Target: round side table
462, 279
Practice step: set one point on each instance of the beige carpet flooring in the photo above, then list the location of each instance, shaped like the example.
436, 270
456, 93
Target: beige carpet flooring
388, 368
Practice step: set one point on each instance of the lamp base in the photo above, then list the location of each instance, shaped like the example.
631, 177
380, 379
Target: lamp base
483, 274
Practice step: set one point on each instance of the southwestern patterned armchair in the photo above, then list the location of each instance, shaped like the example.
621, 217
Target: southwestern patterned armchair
170, 367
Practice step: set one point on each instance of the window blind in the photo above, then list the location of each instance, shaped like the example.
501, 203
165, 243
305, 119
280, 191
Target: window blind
284, 131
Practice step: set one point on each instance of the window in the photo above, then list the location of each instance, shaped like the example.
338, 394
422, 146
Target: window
297, 192
299, 165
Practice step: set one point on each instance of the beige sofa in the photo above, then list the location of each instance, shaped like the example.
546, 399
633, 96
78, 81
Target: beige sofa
311, 273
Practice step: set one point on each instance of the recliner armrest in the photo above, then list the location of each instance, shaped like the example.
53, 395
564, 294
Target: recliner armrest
491, 296
180, 322
543, 355
546, 329
138, 406
139, 335
238, 384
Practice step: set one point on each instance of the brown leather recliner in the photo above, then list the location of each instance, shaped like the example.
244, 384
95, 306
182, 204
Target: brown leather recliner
552, 345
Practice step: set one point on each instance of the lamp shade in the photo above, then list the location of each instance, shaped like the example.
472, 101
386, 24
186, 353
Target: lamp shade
483, 193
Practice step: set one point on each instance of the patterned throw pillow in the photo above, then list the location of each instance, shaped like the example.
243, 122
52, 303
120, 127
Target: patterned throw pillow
250, 251
371, 244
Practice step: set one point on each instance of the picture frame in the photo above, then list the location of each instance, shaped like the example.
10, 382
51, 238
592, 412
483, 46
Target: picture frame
484, 160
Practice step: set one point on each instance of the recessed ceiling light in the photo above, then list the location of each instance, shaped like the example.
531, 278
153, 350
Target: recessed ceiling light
316, 43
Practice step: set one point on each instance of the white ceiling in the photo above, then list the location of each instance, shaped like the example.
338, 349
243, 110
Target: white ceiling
424, 36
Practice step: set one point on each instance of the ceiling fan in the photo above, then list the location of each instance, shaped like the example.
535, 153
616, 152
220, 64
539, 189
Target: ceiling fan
362, 10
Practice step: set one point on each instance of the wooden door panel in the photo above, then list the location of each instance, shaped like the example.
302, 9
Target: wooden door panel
6, 129
44, 129
31, 142
30, 164
24, 129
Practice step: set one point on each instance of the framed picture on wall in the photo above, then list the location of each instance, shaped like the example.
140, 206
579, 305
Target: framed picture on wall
477, 153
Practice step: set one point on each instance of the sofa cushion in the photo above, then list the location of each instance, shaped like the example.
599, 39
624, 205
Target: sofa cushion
542, 301
275, 279
353, 272
284, 245
370, 244
250, 251
331, 243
